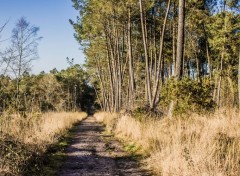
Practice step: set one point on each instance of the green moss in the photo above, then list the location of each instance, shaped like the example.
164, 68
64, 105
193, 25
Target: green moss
56, 156
135, 151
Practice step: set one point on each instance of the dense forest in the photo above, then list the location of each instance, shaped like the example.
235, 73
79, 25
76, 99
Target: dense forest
169, 56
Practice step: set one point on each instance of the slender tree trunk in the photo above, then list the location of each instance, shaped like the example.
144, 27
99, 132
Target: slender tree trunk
207, 53
198, 66
188, 69
144, 33
180, 48
110, 71
131, 71
231, 96
215, 85
180, 40
239, 79
155, 46
209, 61
174, 38
119, 74
220, 82
19, 79
170, 71
160, 60
162, 71
221, 64
105, 103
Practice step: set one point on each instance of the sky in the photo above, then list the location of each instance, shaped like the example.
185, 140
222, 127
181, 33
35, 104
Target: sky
52, 16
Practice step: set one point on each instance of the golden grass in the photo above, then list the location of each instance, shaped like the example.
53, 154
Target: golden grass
22, 138
193, 145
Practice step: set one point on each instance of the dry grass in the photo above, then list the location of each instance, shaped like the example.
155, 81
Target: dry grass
193, 145
24, 140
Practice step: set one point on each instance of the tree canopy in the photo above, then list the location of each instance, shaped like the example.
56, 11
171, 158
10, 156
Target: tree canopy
133, 48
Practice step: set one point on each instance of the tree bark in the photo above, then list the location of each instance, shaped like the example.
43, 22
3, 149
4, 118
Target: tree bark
160, 60
131, 71
180, 48
239, 79
174, 39
220, 82
180, 40
144, 35
110, 71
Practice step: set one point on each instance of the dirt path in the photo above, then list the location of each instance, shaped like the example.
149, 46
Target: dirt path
93, 153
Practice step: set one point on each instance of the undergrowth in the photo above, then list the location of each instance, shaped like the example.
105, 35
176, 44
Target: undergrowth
28, 143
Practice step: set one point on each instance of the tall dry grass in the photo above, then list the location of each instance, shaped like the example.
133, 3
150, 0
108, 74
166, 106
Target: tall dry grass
185, 146
23, 141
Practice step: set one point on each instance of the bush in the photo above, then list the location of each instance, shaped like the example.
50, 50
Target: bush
188, 96
18, 157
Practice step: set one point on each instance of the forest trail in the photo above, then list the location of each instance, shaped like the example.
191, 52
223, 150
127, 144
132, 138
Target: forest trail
94, 153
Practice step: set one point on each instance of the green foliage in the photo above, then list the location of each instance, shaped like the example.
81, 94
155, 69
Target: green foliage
188, 95
65, 90
21, 158
143, 113
211, 48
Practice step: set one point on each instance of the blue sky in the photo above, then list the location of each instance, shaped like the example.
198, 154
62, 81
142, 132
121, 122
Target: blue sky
52, 17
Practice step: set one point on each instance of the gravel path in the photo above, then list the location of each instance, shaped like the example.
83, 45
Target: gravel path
94, 153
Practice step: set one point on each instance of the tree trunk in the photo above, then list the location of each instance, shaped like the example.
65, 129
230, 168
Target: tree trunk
180, 48
131, 72
144, 33
174, 39
180, 40
198, 66
110, 71
160, 59
239, 79
220, 82
209, 62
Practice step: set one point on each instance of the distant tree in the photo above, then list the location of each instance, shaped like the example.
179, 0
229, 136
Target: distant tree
22, 51
54, 71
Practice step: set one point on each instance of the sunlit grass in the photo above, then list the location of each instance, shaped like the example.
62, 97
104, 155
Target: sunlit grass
24, 140
192, 145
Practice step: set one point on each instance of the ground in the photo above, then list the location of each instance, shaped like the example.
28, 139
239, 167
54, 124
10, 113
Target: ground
93, 152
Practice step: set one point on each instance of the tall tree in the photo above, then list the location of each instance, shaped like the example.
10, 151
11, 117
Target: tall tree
145, 45
130, 62
180, 40
23, 50
239, 79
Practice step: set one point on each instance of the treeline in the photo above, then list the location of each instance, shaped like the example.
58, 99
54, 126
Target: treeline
65, 90
161, 54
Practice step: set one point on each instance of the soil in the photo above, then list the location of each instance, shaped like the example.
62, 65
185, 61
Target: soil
93, 152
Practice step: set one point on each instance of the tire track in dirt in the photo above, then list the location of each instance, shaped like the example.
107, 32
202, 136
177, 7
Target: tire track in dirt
93, 153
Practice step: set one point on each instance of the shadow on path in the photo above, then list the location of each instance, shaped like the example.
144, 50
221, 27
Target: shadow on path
92, 153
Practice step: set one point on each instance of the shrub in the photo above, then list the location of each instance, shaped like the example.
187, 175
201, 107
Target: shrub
188, 95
